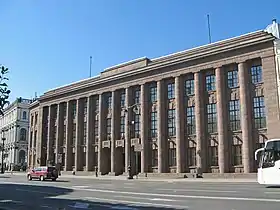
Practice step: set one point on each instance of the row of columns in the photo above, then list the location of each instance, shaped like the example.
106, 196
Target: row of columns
162, 134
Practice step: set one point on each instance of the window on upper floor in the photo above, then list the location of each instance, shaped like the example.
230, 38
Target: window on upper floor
171, 91
256, 74
24, 115
189, 87
232, 79
210, 82
153, 93
23, 134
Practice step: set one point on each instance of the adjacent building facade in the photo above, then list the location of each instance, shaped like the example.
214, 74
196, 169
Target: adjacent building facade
14, 127
207, 108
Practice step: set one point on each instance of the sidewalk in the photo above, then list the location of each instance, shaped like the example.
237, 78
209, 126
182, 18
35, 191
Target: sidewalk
152, 179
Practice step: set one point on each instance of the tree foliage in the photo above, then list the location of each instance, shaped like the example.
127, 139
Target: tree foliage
4, 91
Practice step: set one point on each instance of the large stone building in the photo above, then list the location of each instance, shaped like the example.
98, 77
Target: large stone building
208, 108
14, 126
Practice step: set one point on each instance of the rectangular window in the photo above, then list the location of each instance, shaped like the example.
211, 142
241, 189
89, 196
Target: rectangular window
153, 130
211, 118
96, 125
74, 109
109, 128
171, 126
97, 104
64, 134
210, 82
237, 154
233, 79
137, 126
192, 156
172, 157
137, 94
190, 120
109, 102
256, 73
85, 134
213, 153
171, 91
189, 87
153, 93
234, 115
64, 110
122, 126
85, 107
54, 136
74, 135
154, 158
259, 112
122, 98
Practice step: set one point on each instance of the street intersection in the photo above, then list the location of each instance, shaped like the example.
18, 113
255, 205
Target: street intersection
89, 193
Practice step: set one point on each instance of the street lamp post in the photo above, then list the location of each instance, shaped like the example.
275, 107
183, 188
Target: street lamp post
2, 156
130, 176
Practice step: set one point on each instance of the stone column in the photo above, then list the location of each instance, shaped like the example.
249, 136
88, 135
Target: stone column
200, 121
180, 152
113, 139
245, 115
101, 133
58, 125
127, 128
222, 120
79, 136
161, 136
89, 140
68, 146
40, 139
49, 139
144, 129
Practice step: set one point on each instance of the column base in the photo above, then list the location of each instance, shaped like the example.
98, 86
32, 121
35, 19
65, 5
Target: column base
112, 174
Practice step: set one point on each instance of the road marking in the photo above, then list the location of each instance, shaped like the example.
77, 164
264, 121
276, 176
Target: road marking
144, 198
135, 202
183, 196
161, 199
82, 186
272, 192
6, 201
46, 207
195, 190
79, 205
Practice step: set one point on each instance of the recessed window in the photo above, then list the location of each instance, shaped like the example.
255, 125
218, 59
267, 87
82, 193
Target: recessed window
212, 118
189, 87
171, 91
234, 115
24, 115
233, 79
259, 112
256, 73
210, 82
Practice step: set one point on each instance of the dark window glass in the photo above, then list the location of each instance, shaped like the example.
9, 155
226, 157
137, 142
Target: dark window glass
233, 79
153, 130
170, 91
211, 118
171, 125
256, 73
210, 82
189, 87
172, 157
190, 120
153, 93
259, 112
234, 115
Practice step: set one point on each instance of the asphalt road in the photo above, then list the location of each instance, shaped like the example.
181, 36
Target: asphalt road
18, 193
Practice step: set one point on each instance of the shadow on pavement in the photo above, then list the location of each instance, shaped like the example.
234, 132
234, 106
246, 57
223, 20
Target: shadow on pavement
26, 197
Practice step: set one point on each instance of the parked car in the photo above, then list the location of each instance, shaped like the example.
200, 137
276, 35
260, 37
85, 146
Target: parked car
43, 173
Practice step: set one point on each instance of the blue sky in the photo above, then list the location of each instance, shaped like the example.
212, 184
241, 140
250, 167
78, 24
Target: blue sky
46, 44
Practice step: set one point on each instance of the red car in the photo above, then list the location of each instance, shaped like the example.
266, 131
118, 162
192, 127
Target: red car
42, 173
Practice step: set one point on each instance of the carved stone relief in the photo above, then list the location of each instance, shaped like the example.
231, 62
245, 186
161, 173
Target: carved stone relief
192, 142
234, 94
191, 101
259, 91
212, 98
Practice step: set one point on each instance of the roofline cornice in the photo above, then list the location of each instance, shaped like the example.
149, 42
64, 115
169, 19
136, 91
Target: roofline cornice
177, 58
